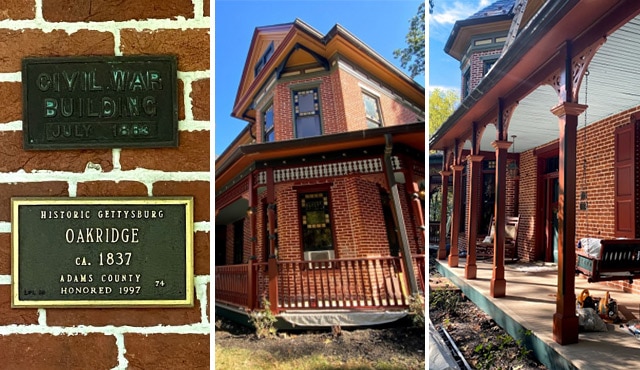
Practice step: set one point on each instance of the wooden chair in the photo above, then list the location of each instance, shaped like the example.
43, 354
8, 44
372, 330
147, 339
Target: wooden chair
484, 246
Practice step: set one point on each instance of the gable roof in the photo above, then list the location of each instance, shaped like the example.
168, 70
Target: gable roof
298, 43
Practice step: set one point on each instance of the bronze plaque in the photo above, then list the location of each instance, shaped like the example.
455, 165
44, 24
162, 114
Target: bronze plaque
106, 252
100, 102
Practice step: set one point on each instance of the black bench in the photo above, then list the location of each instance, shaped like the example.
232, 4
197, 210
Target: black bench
619, 259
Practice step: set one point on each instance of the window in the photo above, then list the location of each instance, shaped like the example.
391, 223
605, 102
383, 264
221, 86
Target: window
487, 66
307, 113
466, 83
372, 110
316, 222
268, 134
263, 59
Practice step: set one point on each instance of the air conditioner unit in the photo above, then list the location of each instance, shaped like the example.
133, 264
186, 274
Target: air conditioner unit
319, 256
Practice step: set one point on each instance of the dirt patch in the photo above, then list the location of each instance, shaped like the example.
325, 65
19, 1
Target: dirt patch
483, 343
401, 347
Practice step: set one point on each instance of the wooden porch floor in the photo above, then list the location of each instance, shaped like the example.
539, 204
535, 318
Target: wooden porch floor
530, 305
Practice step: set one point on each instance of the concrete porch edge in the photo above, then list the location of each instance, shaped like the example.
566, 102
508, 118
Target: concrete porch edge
541, 350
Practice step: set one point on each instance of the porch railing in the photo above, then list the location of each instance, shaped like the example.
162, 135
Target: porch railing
232, 284
356, 283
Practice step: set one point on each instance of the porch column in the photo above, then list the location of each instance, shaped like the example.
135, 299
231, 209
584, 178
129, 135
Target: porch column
565, 322
455, 214
271, 224
498, 286
442, 248
251, 212
473, 177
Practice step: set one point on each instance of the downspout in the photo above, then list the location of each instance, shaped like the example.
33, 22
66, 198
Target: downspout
398, 217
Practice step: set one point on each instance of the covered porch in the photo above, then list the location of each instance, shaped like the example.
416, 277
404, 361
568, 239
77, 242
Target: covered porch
540, 137
530, 303
347, 292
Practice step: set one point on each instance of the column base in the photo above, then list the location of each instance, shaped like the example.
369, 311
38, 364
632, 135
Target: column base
454, 260
470, 271
442, 253
565, 329
498, 288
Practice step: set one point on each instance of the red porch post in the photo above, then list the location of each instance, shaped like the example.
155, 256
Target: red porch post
455, 215
273, 262
565, 322
442, 248
252, 235
498, 283
473, 176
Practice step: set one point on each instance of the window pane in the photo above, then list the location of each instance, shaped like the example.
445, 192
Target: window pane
268, 119
268, 131
306, 102
316, 223
270, 136
372, 109
307, 126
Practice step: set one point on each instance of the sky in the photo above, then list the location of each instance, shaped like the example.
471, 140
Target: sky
444, 70
381, 24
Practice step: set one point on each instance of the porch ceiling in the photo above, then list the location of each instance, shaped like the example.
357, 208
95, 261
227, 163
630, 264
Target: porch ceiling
611, 88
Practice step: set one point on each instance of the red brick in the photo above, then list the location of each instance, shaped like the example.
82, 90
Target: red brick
200, 100
5, 254
167, 351
11, 95
30, 189
200, 190
191, 45
13, 316
138, 317
110, 10
18, 9
111, 189
44, 351
17, 44
201, 253
191, 155
207, 7
14, 157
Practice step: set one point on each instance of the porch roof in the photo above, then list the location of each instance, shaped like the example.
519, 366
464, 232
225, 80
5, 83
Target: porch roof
530, 304
411, 135
520, 75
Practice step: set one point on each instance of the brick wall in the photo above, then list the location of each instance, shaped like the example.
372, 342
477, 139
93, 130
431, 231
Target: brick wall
341, 105
123, 337
598, 220
477, 66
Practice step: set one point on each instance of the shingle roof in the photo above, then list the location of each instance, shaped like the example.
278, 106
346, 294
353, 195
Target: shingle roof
499, 7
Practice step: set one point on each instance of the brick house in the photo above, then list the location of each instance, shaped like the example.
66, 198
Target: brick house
308, 193
549, 123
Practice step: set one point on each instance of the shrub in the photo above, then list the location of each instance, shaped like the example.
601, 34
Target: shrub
416, 310
263, 320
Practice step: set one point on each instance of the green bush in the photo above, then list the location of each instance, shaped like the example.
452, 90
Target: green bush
263, 320
416, 310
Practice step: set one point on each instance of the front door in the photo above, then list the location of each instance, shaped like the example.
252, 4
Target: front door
551, 187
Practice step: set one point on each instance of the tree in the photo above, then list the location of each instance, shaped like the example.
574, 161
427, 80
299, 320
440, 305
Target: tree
442, 103
412, 57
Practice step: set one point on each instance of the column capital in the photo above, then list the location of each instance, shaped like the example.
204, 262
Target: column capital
501, 144
457, 167
568, 108
445, 173
475, 158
